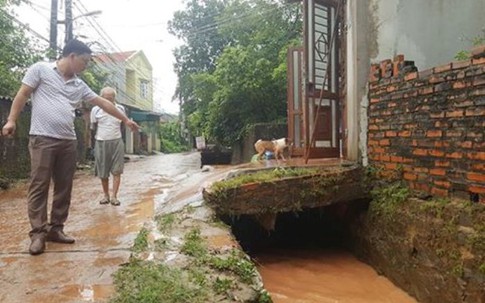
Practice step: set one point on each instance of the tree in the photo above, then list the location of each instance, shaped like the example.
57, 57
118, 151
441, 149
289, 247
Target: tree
244, 82
16, 50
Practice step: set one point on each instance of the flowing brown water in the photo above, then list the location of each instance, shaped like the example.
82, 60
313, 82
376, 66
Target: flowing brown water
324, 276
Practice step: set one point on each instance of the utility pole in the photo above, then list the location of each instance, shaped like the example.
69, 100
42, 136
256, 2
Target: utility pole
68, 21
53, 31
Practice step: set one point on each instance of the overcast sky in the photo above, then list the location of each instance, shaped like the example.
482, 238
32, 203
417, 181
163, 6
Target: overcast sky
131, 25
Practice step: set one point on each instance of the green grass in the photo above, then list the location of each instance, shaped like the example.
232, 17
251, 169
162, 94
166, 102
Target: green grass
263, 176
194, 245
148, 282
141, 241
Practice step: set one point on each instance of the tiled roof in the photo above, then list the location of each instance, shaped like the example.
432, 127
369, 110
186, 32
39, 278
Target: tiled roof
113, 57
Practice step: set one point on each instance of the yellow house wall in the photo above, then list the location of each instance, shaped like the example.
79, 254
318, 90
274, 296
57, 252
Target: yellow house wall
142, 71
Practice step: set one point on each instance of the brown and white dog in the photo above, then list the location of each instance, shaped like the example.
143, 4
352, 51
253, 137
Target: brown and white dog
275, 146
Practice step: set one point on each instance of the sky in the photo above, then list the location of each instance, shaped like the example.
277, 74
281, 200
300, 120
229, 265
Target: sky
125, 25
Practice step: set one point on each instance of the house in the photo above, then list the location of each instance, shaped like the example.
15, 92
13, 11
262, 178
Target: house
130, 73
342, 38
376, 82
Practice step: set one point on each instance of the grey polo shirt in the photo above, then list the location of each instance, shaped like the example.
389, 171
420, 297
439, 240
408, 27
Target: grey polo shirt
54, 101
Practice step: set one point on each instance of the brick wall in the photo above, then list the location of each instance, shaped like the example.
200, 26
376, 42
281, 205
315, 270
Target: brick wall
427, 127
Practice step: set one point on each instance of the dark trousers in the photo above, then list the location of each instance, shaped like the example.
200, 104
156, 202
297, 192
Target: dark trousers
50, 159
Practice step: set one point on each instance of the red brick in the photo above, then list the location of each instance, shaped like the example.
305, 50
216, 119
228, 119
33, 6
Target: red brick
475, 112
454, 114
466, 144
420, 152
478, 51
455, 155
421, 170
460, 64
477, 156
442, 163
385, 158
434, 133
426, 90
479, 166
375, 73
476, 177
384, 142
477, 189
438, 172
442, 144
453, 133
373, 142
410, 176
444, 184
437, 115
479, 81
459, 85
378, 149
443, 68
411, 76
391, 134
439, 192
391, 166
436, 153
373, 127
478, 61
477, 92
404, 133
422, 187
375, 100
396, 159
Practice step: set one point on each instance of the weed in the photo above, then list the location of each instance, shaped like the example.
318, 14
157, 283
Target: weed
236, 263
141, 241
194, 245
148, 282
165, 222
222, 285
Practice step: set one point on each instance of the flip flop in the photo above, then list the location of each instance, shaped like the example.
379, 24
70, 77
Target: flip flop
104, 201
115, 202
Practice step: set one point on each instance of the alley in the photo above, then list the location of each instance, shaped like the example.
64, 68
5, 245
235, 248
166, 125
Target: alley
104, 234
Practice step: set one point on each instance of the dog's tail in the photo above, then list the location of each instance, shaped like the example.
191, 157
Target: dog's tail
258, 141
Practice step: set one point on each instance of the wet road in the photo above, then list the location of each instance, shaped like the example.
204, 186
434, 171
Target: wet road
82, 272
104, 234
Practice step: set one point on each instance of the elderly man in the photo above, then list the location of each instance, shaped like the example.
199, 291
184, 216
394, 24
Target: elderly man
55, 92
109, 147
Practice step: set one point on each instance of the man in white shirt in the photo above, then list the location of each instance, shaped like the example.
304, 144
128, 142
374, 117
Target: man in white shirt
55, 91
109, 147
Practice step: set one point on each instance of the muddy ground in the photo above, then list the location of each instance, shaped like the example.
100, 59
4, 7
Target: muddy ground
104, 234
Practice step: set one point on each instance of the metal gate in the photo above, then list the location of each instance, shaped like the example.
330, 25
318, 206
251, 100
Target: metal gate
313, 90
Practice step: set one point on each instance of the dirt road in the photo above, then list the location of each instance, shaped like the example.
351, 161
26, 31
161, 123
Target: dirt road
104, 234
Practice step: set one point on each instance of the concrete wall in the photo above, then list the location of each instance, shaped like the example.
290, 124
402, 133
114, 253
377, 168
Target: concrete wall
428, 31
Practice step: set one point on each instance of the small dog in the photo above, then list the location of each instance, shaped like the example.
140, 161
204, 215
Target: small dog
275, 146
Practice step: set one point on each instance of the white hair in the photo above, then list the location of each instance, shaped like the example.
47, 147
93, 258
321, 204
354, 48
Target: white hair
107, 89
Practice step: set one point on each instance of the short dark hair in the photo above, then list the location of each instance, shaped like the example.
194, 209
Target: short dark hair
77, 47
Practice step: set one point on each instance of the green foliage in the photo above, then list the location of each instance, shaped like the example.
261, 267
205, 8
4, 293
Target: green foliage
232, 68
474, 41
262, 176
237, 263
194, 245
141, 241
153, 283
171, 137
17, 52
387, 198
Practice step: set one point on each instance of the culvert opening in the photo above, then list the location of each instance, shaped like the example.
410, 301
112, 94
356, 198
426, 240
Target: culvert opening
309, 256
317, 228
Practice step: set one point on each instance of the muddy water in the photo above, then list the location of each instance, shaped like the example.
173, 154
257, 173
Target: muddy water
324, 276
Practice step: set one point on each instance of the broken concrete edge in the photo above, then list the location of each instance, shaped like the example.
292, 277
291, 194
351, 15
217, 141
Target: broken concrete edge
288, 194
201, 251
